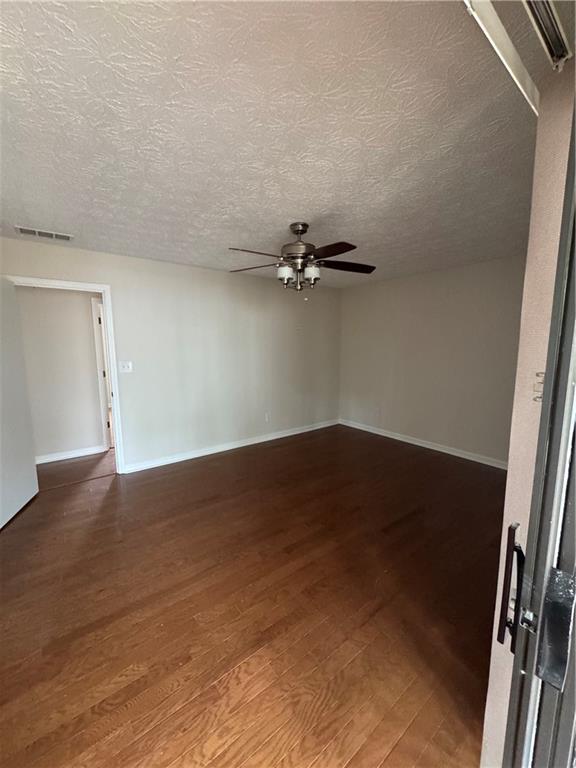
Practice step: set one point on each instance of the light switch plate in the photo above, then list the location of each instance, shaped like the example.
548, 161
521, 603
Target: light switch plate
125, 366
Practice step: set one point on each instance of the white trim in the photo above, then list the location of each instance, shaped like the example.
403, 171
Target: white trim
427, 444
106, 292
163, 461
116, 418
63, 285
483, 12
62, 455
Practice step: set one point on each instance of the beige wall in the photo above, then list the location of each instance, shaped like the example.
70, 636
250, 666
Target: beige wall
432, 356
212, 353
60, 355
550, 168
220, 358
18, 481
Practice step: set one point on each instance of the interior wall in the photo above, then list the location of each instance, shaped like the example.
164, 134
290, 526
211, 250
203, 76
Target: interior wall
60, 356
431, 358
220, 358
18, 480
217, 358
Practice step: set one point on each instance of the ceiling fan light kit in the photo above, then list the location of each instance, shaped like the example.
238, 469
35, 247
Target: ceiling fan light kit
298, 266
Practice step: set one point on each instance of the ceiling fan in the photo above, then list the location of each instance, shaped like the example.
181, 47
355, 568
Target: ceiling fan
299, 263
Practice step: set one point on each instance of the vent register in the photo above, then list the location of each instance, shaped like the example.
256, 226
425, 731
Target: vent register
44, 233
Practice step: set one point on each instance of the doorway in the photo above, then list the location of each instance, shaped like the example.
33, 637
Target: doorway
71, 379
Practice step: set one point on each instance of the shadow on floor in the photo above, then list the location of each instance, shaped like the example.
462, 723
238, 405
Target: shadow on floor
60, 473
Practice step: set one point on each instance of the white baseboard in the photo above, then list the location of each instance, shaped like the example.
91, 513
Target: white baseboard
163, 461
71, 454
426, 444
186, 456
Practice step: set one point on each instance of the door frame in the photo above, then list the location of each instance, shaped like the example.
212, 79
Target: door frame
535, 708
106, 292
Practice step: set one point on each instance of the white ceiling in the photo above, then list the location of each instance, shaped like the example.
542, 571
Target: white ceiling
174, 130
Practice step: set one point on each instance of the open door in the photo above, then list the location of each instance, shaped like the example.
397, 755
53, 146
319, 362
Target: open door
103, 371
18, 479
541, 728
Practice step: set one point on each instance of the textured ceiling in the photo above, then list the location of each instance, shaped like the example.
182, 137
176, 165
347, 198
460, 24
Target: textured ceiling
174, 130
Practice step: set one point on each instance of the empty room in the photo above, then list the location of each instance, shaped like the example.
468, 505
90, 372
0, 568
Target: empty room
287, 384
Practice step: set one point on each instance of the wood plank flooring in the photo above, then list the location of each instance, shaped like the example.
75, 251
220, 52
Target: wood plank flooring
319, 601
57, 473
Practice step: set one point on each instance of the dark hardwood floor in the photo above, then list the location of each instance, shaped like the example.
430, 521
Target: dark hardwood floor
323, 600
57, 473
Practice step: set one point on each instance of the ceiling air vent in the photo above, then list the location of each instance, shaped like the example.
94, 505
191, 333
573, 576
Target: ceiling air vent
43, 233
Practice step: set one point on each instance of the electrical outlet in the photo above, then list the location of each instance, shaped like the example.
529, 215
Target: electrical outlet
267, 417
125, 366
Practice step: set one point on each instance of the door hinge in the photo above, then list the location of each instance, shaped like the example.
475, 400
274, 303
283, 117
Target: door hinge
99, 321
108, 424
104, 374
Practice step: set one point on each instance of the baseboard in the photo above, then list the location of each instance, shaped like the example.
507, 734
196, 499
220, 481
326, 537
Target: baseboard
222, 447
71, 454
163, 461
426, 444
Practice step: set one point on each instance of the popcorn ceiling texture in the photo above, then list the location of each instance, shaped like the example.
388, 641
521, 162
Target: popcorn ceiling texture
174, 130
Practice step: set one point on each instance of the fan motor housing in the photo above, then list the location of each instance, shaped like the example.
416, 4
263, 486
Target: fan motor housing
297, 250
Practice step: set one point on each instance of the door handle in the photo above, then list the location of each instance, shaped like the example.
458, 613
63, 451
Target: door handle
513, 550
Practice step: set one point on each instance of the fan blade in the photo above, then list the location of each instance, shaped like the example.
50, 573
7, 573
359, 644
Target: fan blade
258, 253
262, 266
334, 249
347, 266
